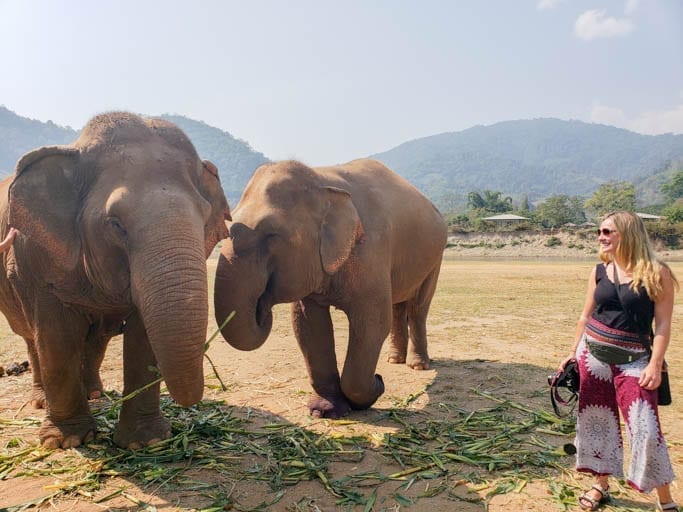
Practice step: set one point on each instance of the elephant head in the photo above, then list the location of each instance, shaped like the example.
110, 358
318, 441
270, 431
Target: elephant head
290, 233
123, 220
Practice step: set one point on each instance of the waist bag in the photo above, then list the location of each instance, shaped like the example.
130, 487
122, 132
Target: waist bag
612, 354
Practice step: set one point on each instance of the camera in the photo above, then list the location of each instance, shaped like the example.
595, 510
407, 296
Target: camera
566, 378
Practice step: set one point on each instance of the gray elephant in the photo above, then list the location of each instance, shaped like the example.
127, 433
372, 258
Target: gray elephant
115, 230
357, 237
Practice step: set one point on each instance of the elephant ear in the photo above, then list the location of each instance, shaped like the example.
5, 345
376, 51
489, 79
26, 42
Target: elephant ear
339, 229
215, 229
44, 204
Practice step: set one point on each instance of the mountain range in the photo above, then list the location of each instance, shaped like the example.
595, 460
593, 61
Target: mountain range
533, 158
539, 158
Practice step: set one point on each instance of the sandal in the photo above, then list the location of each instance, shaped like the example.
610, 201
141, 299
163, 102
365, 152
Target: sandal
672, 507
593, 503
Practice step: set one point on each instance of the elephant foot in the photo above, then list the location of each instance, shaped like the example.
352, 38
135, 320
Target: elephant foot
336, 406
37, 397
67, 434
414, 361
418, 362
359, 403
141, 432
396, 358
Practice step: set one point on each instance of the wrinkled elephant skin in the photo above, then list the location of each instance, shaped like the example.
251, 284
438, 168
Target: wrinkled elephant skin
114, 230
356, 237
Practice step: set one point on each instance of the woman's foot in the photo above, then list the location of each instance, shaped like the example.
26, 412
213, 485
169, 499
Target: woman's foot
593, 498
667, 507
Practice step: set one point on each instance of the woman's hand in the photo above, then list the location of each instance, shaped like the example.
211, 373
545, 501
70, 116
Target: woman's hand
650, 377
565, 361
9, 239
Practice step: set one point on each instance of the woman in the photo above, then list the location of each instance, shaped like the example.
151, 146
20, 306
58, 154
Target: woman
620, 363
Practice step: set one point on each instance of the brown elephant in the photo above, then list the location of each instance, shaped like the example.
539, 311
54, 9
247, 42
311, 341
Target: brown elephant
357, 237
115, 230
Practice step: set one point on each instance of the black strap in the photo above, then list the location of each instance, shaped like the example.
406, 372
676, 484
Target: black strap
646, 341
556, 398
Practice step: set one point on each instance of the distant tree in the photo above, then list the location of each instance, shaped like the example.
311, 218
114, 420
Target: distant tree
475, 201
615, 195
458, 222
673, 189
524, 204
560, 209
496, 203
577, 210
674, 212
488, 203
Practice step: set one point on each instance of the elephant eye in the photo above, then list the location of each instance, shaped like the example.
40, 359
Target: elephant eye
271, 238
118, 226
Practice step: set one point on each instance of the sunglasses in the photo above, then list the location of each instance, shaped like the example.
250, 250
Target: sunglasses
606, 232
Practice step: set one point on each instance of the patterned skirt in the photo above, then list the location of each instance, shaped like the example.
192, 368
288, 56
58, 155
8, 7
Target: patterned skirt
606, 390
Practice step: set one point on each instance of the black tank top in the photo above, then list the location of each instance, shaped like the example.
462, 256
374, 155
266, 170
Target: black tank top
609, 310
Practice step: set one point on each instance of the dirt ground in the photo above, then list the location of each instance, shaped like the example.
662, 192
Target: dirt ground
498, 327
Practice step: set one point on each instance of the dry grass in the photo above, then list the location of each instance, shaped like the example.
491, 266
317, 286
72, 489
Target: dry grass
471, 433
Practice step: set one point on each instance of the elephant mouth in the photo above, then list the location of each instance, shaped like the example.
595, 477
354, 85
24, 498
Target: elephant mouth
264, 307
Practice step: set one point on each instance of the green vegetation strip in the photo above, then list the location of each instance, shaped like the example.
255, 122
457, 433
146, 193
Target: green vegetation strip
496, 449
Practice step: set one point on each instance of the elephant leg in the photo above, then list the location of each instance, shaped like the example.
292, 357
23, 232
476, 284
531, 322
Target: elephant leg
37, 392
398, 343
315, 334
368, 328
95, 348
59, 347
140, 421
418, 309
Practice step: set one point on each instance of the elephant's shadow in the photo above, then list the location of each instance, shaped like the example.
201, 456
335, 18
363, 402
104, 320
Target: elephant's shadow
466, 386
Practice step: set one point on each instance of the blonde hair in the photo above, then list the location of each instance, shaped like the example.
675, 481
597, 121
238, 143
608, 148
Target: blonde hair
635, 251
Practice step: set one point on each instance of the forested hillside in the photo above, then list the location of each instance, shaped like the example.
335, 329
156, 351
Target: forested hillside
539, 158
235, 159
19, 135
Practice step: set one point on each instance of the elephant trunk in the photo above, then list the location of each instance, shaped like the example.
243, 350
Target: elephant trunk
242, 286
169, 287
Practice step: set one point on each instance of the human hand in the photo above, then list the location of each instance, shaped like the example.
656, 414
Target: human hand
564, 362
650, 377
9, 239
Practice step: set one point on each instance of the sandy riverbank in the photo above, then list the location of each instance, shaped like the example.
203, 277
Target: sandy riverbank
525, 244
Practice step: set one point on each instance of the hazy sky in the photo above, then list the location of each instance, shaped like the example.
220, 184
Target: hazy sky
329, 81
